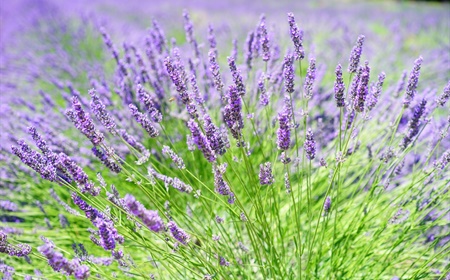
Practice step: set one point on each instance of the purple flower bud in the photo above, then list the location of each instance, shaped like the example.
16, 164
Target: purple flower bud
297, 37
339, 87
263, 96
149, 104
201, 141
167, 151
413, 125
309, 79
178, 233
78, 175
376, 91
237, 77
413, 80
100, 112
106, 237
143, 121
83, 122
355, 55
363, 89
249, 49
212, 38
284, 131
444, 96
233, 113
289, 74
214, 136
310, 145
221, 186
215, 71
327, 205
108, 162
264, 41
265, 174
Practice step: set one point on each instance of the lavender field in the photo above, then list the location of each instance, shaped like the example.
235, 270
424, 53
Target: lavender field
224, 140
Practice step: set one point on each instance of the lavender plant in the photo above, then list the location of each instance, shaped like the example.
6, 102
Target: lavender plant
186, 163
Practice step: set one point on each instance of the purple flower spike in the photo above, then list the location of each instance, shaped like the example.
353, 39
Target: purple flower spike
201, 141
143, 121
149, 104
265, 174
289, 74
309, 79
263, 97
249, 50
108, 162
284, 131
78, 175
413, 125
84, 123
100, 112
167, 151
327, 205
233, 113
413, 80
297, 37
363, 89
107, 238
376, 92
445, 96
237, 77
214, 135
310, 145
264, 41
339, 87
215, 70
355, 55
178, 233
221, 186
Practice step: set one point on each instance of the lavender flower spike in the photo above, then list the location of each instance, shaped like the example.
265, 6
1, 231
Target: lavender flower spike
413, 125
376, 91
233, 113
309, 79
413, 80
284, 131
355, 55
100, 112
215, 70
167, 151
363, 89
178, 233
327, 205
201, 141
444, 96
339, 87
264, 41
237, 77
265, 174
310, 145
149, 218
289, 74
297, 37
143, 121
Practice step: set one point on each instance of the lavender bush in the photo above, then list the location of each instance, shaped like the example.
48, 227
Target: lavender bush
190, 155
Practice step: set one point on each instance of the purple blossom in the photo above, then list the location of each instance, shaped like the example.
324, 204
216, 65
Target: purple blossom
215, 70
265, 174
249, 50
237, 77
297, 37
363, 89
100, 112
264, 41
284, 131
309, 79
106, 237
339, 87
376, 91
327, 205
150, 106
201, 141
233, 113
355, 55
107, 161
263, 96
78, 175
443, 98
289, 74
143, 121
167, 151
413, 80
310, 145
213, 134
83, 122
177, 233
7, 205
413, 125
221, 186
212, 39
